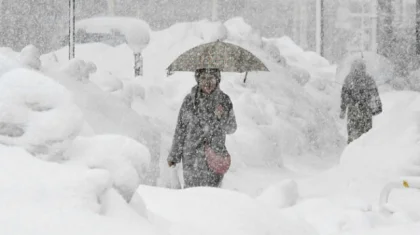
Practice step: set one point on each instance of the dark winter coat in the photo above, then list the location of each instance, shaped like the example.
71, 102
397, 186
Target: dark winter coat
360, 97
197, 124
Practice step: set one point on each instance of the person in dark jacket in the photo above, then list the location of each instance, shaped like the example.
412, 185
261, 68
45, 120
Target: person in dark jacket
206, 117
360, 97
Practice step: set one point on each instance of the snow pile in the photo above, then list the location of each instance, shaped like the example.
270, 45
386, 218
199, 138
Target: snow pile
411, 82
211, 31
39, 197
390, 150
272, 110
106, 81
125, 159
385, 154
33, 109
118, 61
406, 229
239, 31
277, 116
30, 56
106, 114
215, 211
136, 32
79, 69
7, 63
281, 195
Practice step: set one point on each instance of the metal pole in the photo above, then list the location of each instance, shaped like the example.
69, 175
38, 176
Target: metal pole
374, 44
319, 27
418, 27
303, 24
214, 14
72, 36
362, 29
296, 12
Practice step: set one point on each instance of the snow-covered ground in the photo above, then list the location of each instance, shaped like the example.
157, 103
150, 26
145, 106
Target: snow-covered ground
78, 138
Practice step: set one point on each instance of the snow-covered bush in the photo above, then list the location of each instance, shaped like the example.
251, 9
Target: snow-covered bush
106, 81
7, 63
137, 35
239, 31
300, 75
79, 69
39, 197
281, 195
126, 159
220, 212
30, 56
211, 31
37, 113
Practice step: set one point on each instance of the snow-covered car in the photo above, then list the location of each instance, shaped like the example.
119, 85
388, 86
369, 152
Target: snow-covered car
113, 31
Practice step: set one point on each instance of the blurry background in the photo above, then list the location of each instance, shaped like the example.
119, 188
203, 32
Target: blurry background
24, 22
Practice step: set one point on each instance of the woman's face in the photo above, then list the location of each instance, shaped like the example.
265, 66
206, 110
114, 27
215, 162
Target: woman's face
207, 83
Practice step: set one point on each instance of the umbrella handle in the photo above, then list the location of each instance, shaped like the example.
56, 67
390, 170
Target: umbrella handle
246, 75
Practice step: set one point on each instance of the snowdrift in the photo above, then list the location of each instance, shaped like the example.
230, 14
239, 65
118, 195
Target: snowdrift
273, 111
34, 108
114, 126
218, 211
39, 197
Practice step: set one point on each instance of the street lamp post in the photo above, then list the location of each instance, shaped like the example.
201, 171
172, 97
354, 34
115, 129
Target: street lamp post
72, 24
319, 27
418, 27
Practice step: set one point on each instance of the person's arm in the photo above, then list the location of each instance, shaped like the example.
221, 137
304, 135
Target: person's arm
377, 109
177, 148
344, 99
227, 120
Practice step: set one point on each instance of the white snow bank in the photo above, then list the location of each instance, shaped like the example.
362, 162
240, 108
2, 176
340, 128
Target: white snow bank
273, 111
37, 113
30, 56
216, 211
211, 31
106, 114
119, 60
38, 197
407, 229
7, 63
126, 159
79, 69
387, 152
301, 60
239, 31
106, 81
281, 195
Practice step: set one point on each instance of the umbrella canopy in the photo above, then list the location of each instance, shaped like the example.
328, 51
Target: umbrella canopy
224, 56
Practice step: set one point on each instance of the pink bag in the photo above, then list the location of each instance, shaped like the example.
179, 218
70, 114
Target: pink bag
217, 163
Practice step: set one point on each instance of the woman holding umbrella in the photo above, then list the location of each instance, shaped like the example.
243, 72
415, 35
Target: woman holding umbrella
206, 115
205, 118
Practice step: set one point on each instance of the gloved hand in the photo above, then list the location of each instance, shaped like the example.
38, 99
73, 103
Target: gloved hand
219, 111
171, 163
